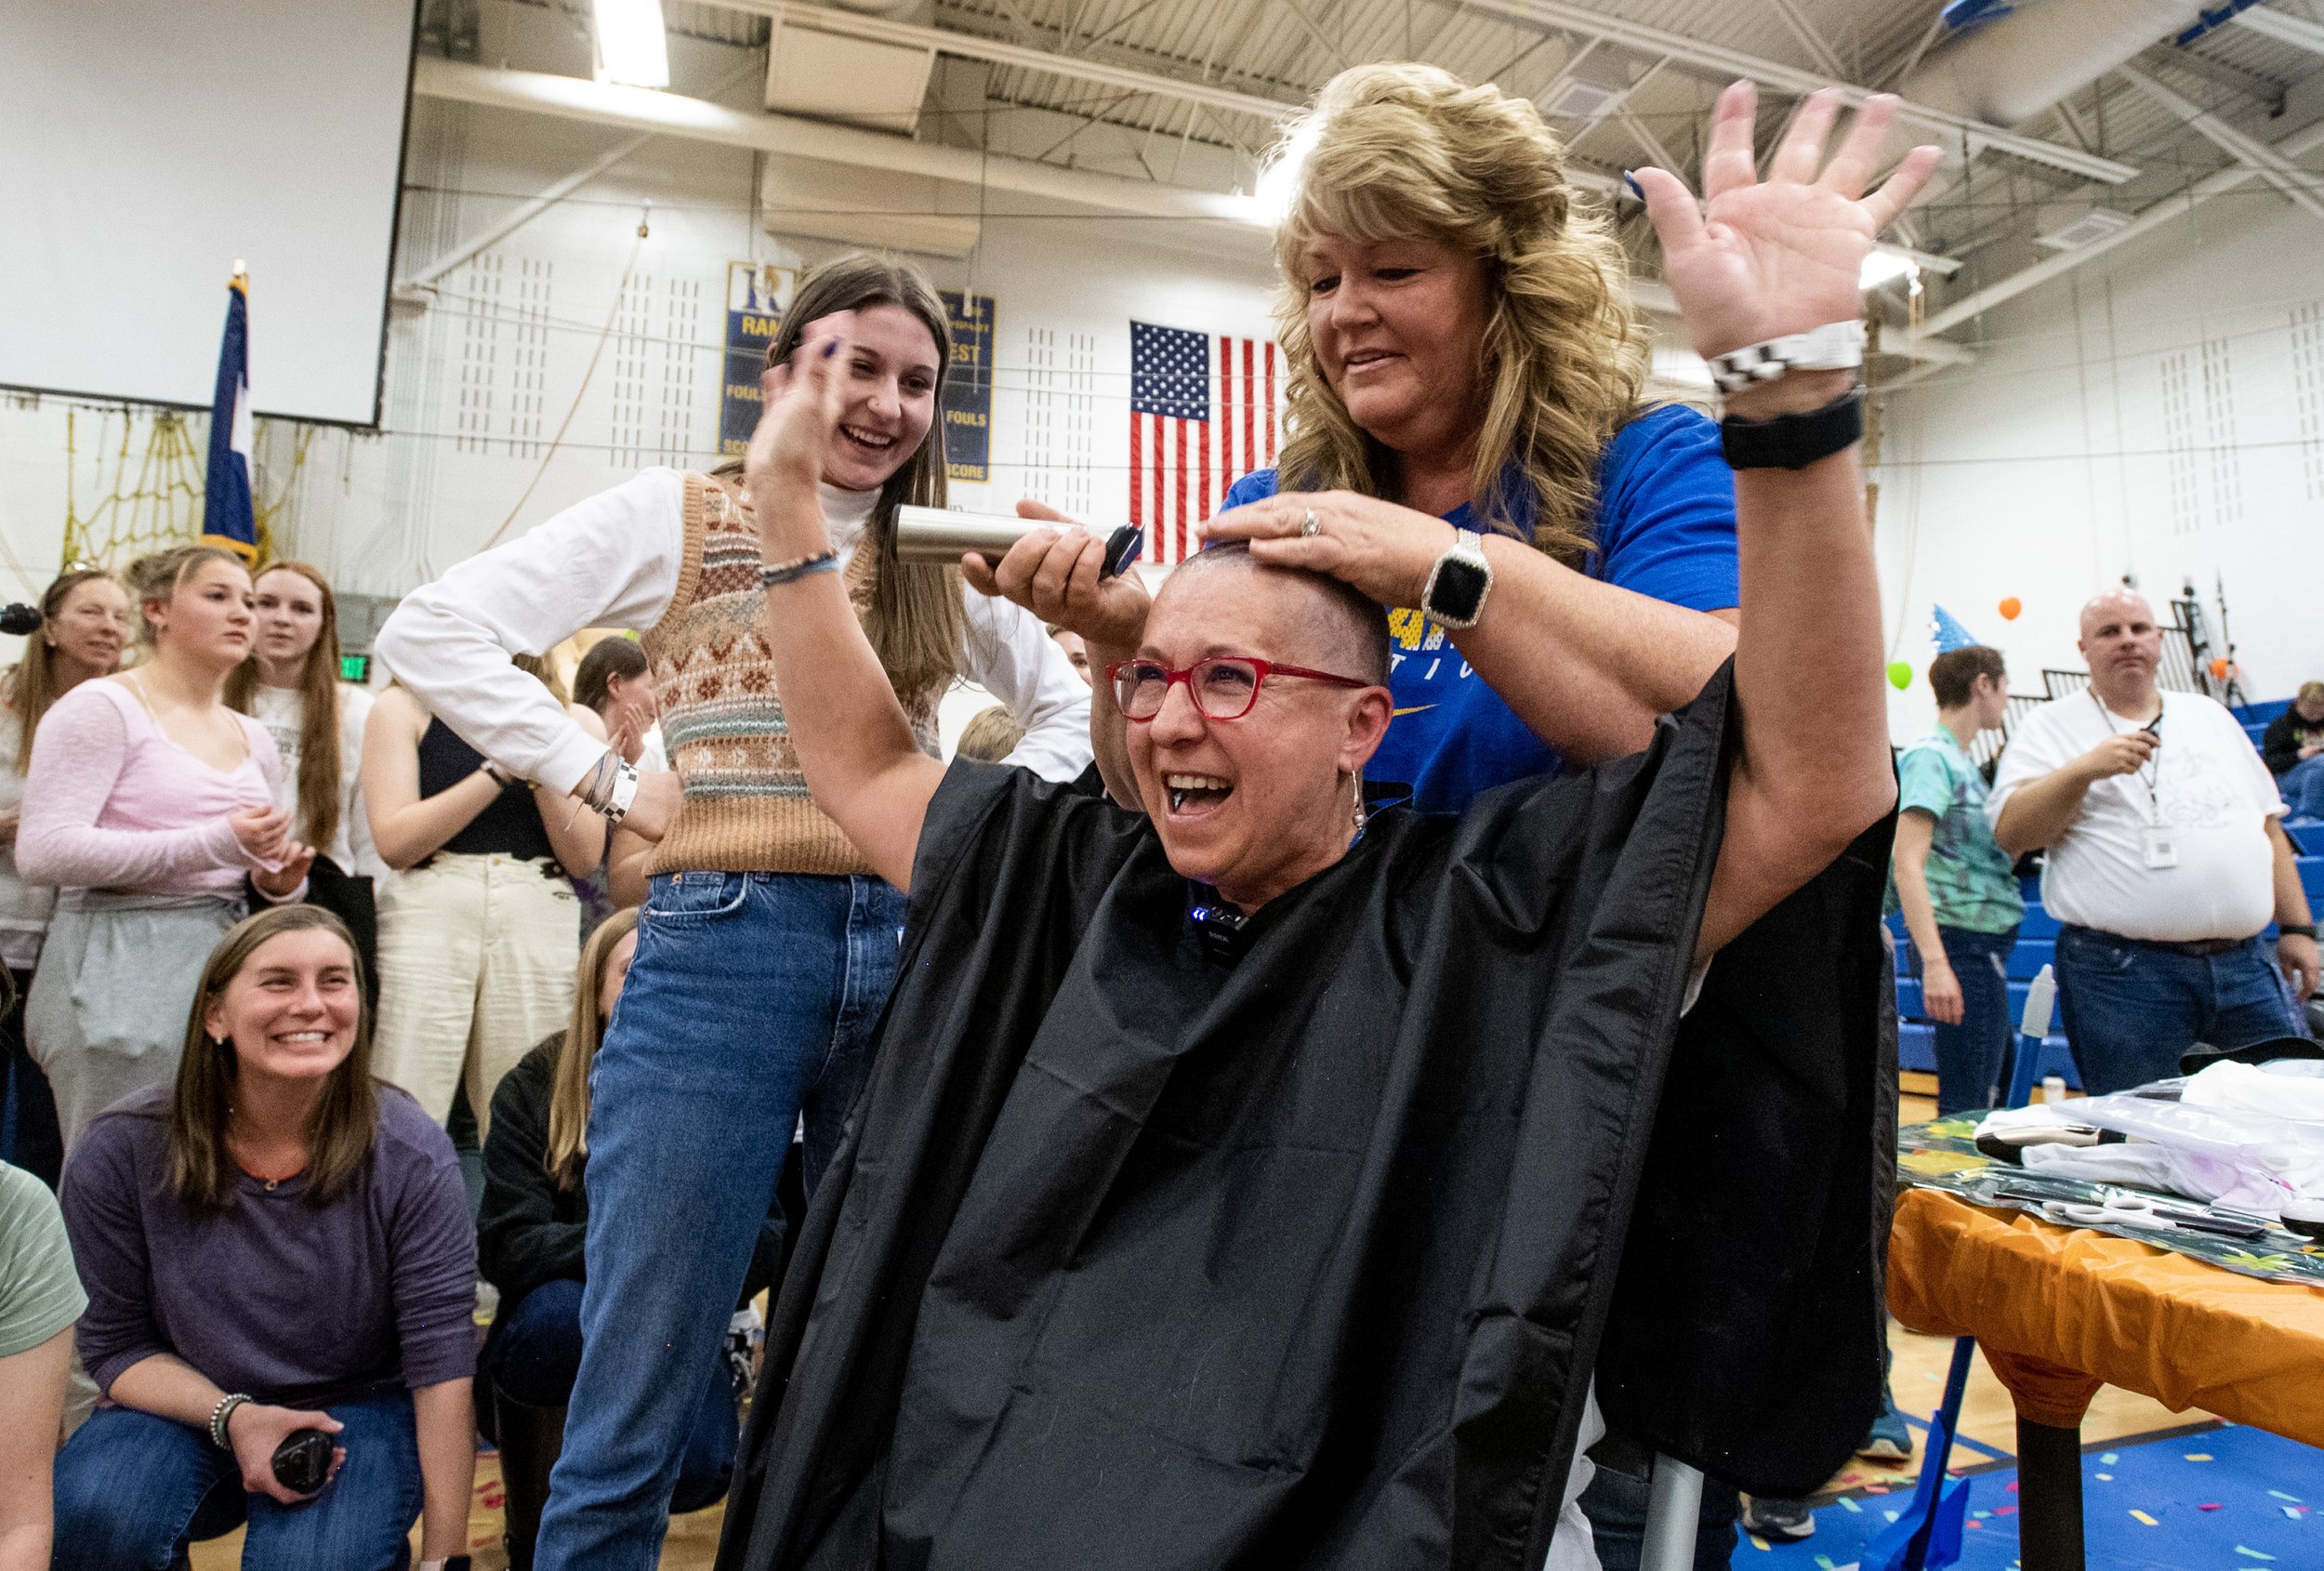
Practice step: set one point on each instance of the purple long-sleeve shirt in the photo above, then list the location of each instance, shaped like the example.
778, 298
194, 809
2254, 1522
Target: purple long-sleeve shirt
273, 1297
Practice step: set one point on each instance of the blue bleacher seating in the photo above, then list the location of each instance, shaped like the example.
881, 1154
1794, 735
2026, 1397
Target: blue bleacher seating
2307, 834
2260, 713
2311, 875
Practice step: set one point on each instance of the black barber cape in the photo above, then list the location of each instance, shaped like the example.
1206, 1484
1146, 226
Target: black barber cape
1138, 1255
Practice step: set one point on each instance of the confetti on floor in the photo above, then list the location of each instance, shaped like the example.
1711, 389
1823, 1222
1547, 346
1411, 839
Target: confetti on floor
2228, 1504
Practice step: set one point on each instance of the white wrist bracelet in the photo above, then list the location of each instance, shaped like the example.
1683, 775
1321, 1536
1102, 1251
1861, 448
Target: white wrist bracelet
624, 791
1836, 346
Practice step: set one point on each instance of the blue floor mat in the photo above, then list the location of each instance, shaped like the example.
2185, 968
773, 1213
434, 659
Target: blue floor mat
2143, 1510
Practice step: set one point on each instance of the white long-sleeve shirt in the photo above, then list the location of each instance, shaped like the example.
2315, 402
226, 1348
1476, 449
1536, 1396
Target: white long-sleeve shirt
613, 561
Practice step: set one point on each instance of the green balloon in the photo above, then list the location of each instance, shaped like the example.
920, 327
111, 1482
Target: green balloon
1899, 675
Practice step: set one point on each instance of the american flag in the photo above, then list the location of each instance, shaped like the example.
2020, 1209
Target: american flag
1202, 414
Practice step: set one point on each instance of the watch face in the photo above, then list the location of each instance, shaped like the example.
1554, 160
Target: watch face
1460, 589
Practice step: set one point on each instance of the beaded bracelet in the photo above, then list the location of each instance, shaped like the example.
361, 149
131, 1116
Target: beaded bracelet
774, 576
220, 1414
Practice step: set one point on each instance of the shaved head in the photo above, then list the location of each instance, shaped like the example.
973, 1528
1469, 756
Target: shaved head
2123, 648
1344, 633
2114, 605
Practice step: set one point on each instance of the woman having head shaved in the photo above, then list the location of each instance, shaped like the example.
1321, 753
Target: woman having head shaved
1467, 381
1247, 1172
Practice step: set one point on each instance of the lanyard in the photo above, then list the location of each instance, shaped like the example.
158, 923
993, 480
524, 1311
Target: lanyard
2150, 772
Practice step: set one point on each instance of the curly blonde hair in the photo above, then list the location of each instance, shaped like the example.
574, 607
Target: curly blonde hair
1406, 151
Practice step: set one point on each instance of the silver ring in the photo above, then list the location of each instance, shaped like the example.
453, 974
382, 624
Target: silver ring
1310, 525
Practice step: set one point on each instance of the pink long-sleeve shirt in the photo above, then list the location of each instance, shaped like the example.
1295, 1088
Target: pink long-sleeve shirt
111, 801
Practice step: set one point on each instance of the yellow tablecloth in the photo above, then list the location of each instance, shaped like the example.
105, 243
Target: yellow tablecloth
2059, 1311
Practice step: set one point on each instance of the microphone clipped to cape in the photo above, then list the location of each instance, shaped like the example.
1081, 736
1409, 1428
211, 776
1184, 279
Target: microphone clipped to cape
20, 619
937, 536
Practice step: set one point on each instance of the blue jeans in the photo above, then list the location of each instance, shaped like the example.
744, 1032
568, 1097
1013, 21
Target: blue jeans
2302, 787
534, 1354
2132, 1012
1969, 1056
134, 1489
750, 1001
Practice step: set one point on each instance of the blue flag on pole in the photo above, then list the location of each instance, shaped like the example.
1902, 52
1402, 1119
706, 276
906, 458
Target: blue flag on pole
229, 518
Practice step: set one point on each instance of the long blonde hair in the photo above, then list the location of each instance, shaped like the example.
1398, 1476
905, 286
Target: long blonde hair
159, 576
914, 619
318, 711
1407, 150
568, 1145
32, 684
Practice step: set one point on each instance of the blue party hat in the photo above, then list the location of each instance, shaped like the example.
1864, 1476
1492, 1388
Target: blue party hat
1945, 628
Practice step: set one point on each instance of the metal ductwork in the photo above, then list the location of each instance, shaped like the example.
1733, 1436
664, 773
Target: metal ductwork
2027, 58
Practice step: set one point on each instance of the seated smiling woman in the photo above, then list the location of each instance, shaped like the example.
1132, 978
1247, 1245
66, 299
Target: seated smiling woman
279, 1243
1238, 1180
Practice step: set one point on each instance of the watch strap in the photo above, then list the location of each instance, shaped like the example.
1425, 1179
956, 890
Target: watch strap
1793, 442
2296, 929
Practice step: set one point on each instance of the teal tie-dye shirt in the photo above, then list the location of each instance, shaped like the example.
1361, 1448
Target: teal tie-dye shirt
1969, 876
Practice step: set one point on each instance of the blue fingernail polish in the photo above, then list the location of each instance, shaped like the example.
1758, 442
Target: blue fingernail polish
1632, 181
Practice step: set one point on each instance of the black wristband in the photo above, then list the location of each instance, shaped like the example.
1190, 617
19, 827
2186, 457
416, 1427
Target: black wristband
2296, 929
1793, 442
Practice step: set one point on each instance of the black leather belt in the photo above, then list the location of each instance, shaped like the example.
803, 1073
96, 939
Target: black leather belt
2195, 948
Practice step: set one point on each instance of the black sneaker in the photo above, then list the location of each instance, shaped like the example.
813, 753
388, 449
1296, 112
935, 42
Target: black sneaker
1787, 1520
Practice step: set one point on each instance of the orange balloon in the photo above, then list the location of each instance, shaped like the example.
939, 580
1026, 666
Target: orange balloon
2219, 670
2010, 608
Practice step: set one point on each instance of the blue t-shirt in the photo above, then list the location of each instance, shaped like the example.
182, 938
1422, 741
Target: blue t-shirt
1665, 528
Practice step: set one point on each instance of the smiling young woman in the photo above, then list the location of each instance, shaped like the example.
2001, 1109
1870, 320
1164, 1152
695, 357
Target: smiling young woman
767, 945
151, 803
275, 1146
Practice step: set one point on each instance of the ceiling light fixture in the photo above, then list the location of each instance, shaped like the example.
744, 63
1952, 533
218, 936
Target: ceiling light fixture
632, 47
1883, 266
1278, 182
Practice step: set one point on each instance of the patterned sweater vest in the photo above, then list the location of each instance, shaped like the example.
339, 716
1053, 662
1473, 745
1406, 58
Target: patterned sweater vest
747, 807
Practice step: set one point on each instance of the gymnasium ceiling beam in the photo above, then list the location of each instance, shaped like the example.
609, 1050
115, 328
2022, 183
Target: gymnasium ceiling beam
2270, 165
2283, 27
969, 45
643, 108
1718, 59
2168, 210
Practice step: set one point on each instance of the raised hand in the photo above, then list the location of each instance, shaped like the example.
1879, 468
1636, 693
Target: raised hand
784, 459
1763, 258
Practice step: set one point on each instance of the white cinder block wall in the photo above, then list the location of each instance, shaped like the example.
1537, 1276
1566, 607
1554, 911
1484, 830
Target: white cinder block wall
2157, 413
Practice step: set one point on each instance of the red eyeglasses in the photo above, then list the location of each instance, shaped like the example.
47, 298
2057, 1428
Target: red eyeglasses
1223, 687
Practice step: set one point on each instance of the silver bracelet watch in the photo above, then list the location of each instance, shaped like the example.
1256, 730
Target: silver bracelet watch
1459, 583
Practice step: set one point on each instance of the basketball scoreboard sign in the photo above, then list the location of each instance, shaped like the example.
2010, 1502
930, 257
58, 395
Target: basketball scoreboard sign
967, 412
754, 315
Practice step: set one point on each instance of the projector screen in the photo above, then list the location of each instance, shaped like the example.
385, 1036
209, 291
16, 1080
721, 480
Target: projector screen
147, 144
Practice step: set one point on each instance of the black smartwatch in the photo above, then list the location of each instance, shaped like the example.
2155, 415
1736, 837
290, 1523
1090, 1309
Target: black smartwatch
1458, 583
1793, 442
2296, 929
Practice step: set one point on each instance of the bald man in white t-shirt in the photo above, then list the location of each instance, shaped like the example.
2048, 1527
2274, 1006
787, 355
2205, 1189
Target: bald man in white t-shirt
2166, 861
